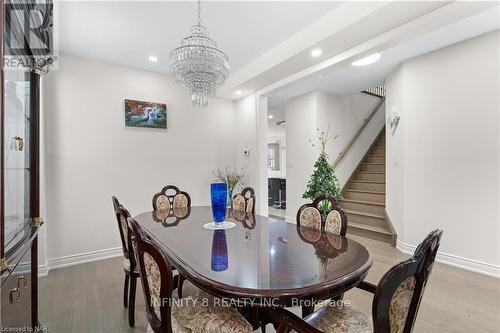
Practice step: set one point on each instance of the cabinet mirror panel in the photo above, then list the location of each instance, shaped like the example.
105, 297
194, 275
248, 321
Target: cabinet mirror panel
16, 155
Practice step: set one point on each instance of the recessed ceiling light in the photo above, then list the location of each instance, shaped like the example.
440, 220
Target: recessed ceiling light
152, 58
270, 116
320, 76
238, 92
316, 53
368, 60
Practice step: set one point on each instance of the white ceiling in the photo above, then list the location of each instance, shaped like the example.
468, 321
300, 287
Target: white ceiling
346, 79
126, 32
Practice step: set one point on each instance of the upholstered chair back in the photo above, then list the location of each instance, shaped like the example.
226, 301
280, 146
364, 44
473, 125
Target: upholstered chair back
122, 215
399, 292
244, 201
171, 197
334, 220
156, 279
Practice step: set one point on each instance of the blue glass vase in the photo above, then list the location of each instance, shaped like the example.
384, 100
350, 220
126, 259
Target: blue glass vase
219, 261
218, 193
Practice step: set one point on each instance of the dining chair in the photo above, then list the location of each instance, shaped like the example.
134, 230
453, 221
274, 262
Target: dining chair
171, 197
244, 201
167, 315
129, 264
312, 216
334, 220
395, 303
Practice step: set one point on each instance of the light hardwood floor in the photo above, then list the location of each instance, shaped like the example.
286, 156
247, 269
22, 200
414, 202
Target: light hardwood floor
88, 297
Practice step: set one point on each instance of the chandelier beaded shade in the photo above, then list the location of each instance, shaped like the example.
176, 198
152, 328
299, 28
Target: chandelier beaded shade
198, 64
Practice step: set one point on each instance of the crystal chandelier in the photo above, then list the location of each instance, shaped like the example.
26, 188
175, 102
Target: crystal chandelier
198, 64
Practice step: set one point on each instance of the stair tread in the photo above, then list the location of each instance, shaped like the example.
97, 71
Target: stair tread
373, 163
370, 228
370, 155
366, 181
363, 191
363, 202
378, 172
358, 212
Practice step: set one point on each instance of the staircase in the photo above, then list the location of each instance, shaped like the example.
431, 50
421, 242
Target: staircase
364, 196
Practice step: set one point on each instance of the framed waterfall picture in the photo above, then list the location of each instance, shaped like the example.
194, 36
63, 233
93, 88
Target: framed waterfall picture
145, 114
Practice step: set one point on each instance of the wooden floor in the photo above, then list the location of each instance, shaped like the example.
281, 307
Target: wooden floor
88, 297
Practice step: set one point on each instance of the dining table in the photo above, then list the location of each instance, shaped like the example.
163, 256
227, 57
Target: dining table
260, 263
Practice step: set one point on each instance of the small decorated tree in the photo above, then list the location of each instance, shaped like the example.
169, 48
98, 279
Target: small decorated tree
323, 180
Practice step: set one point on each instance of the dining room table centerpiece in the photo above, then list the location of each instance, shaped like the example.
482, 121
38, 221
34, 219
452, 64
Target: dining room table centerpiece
231, 177
218, 194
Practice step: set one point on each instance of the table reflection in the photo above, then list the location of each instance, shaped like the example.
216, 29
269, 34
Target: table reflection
246, 219
171, 217
219, 258
326, 244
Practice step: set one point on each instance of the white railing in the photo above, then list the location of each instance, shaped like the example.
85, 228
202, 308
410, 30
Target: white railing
377, 91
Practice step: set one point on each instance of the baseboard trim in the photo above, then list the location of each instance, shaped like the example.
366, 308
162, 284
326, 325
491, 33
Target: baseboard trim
456, 261
82, 258
43, 270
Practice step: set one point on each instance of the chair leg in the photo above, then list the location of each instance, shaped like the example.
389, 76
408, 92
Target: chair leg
125, 291
179, 287
307, 310
131, 302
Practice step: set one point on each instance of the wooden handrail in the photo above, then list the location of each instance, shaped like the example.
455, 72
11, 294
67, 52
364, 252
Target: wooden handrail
358, 133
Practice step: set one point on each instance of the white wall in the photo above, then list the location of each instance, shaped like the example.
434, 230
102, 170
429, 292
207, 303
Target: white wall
345, 115
91, 155
300, 127
277, 133
304, 114
394, 152
444, 158
246, 136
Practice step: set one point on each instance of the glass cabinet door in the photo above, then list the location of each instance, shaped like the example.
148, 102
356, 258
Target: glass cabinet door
16, 155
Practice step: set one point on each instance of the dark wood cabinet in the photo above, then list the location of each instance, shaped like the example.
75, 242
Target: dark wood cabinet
17, 294
19, 163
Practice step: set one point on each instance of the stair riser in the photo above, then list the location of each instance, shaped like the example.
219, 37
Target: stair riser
366, 208
375, 159
377, 151
366, 186
372, 167
366, 220
372, 197
370, 176
380, 145
369, 234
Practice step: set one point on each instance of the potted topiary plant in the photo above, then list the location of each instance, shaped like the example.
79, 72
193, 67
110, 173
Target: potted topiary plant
323, 180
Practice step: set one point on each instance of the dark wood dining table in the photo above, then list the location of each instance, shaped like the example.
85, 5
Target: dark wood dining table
262, 261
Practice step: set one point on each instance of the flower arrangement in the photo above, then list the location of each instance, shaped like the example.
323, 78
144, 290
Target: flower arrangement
231, 177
